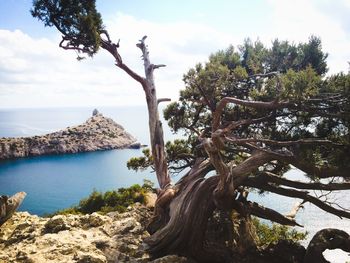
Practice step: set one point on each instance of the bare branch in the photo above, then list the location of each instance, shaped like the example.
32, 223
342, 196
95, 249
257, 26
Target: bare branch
320, 172
8, 205
113, 49
270, 177
278, 143
264, 212
299, 194
153, 67
163, 100
292, 214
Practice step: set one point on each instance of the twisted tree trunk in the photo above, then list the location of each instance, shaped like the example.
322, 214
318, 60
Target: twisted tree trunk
182, 211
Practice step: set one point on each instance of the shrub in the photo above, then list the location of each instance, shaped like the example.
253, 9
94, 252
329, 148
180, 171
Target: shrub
272, 233
115, 200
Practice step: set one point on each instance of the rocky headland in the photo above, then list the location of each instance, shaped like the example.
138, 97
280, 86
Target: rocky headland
97, 133
93, 238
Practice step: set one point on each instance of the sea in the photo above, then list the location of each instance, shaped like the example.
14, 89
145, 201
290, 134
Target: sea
55, 182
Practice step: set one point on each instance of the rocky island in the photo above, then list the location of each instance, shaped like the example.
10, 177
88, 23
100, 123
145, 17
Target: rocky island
97, 133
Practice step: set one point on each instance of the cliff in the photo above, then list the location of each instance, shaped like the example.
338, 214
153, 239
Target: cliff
97, 133
95, 238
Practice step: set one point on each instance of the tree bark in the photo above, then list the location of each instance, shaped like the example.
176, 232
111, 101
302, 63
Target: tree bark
184, 234
8, 206
155, 125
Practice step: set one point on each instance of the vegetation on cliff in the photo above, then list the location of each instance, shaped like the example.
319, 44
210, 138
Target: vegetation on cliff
115, 200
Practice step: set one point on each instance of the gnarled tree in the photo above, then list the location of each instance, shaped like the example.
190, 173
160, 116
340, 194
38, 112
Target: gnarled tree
248, 116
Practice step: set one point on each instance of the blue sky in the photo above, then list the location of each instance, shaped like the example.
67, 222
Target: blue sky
34, 72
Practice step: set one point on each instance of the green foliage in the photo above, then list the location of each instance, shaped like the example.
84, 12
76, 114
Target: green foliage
116, 200
272, 233
284, 56
78, 22
178, 152
140, 163
301, 82
300, 85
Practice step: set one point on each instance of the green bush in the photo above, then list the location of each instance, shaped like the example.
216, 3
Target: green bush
272, 233
116, 200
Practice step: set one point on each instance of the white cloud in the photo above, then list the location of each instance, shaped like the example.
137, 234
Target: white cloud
36, 72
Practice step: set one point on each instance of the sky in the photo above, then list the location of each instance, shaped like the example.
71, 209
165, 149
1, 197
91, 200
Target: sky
35, 72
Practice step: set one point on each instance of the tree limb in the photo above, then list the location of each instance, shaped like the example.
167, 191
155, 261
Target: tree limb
264, 212
253, 104
320, 172
272, 178
298, 194
278, 143
112, 49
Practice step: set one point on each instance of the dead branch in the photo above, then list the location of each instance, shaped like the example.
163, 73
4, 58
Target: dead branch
163, 100
264, 212
301, 195
292, 214
8, 205
278, 143
268, 177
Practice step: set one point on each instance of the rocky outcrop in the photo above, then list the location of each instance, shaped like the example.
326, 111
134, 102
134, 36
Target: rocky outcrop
97, 133
118, 237
95, 238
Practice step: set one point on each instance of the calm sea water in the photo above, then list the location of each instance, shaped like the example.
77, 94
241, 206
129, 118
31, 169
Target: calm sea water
60, 181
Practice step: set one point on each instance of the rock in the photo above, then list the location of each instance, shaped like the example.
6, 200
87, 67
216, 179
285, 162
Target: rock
95, 112
95, 238
97, 133
56, 224
89, 258
171, 259
115, 237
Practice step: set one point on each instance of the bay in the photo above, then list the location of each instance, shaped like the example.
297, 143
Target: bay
59, 181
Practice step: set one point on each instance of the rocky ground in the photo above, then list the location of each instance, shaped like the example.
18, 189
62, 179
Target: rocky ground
95, 238
97, 133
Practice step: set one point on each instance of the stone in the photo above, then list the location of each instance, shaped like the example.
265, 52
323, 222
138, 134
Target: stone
171, 259
115, 237
56, 224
